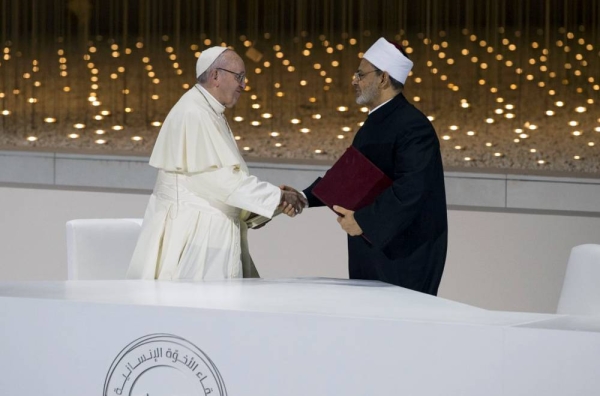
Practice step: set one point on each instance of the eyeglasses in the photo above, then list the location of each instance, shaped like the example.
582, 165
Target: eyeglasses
359, 75
239, 77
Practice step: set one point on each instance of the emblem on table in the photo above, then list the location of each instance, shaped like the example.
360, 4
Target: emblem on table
161, 365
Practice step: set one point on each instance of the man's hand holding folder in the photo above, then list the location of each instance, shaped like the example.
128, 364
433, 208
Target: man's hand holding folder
347, 221
352, 183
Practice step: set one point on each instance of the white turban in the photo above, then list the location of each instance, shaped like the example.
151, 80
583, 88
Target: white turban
207, 57
387, 57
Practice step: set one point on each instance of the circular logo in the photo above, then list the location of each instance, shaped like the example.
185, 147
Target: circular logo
161, 365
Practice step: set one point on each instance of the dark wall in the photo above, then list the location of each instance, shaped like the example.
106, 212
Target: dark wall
226, 18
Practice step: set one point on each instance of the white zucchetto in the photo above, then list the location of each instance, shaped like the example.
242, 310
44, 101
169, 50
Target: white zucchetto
387, 57
207, 57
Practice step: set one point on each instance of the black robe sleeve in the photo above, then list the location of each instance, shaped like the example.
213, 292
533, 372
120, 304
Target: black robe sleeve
313, 201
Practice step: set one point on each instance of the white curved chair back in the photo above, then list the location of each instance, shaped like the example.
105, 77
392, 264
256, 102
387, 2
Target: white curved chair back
580, 293
100, 248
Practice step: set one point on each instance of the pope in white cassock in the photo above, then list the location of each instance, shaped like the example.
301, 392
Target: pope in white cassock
204, 199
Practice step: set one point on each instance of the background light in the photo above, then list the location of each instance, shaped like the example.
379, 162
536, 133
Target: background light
489, 79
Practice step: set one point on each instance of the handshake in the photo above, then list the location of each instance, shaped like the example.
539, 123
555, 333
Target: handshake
292, 202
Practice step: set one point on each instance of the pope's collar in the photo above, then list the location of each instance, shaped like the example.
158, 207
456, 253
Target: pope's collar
214, 103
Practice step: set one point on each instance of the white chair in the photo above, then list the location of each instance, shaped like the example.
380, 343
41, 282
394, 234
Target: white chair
100, 248
580, 293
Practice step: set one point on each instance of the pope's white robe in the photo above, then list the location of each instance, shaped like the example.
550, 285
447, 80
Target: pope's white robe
196, 221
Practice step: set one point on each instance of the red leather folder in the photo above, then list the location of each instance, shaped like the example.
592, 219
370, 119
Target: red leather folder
353, 182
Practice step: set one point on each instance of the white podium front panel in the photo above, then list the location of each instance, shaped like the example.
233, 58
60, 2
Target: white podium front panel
259, 337
558, 356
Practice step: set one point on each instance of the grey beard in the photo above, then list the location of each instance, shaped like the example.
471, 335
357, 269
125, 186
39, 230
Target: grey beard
366, 96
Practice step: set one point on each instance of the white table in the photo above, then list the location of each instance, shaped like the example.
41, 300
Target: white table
281, 337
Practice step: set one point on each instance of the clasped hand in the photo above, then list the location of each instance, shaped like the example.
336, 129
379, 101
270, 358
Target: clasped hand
292, 201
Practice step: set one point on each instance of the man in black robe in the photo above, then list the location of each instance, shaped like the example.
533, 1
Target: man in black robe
406, 227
